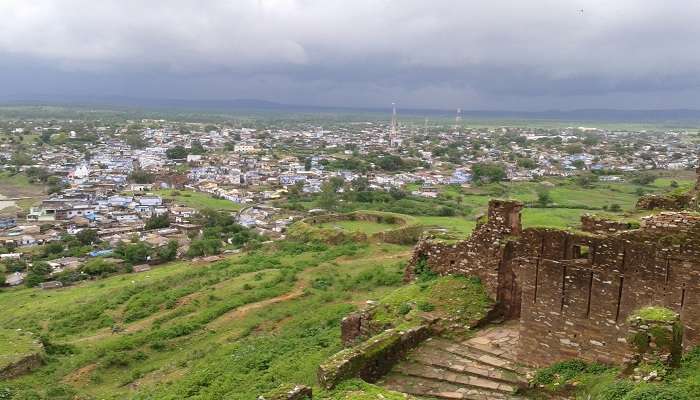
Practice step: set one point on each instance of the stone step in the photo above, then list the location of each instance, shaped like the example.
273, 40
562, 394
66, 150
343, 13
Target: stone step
431, 388
437, 357
473, 353
440, 374
481, 344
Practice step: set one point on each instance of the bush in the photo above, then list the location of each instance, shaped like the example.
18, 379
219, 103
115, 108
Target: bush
426, 306
404, 309
616, 390
564, 371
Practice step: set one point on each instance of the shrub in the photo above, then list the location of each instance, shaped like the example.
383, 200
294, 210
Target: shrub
426, 306
404, 308
564, 371
616, 390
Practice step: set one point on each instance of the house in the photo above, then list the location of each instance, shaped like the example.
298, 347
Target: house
51, 285
141, 268
8, 222
119, 201
194, 158
15, 278
151, 201
10, 256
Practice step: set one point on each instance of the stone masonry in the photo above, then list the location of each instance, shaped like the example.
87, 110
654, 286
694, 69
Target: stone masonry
574, 291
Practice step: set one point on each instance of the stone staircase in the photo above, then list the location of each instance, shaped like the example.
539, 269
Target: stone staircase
480, 368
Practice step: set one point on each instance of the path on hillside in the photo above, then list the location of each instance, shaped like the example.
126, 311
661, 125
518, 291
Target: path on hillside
296, 292
238, 312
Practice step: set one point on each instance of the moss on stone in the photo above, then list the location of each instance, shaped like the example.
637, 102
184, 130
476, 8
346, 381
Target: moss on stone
656, 314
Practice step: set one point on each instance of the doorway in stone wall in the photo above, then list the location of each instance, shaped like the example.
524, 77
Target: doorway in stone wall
509, 294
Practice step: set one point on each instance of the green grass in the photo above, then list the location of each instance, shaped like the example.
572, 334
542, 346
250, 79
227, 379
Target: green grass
367, 227
18, 185
15, 345
185, 328
579, 380
460, 225
198, 200
660, 314
552, 217
454, 298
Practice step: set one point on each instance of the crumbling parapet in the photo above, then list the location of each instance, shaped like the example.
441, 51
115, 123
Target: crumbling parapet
288, 392
655, 335
673, 222
372, 359
504, 215
671, 202
360, 325
481, 255
596, 224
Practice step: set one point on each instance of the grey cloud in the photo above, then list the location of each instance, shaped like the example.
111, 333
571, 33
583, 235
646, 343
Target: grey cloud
501, 53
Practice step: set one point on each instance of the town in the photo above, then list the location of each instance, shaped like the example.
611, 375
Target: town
130, 193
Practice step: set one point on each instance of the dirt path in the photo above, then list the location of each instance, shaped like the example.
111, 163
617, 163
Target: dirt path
296, 292
238, 312
242, 311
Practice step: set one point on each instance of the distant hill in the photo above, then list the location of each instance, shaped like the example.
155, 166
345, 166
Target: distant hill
592, 115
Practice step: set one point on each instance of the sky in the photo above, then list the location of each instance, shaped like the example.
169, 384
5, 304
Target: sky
476, 55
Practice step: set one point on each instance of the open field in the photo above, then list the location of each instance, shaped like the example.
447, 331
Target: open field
18, 186
231, 329
198, 200
367, 227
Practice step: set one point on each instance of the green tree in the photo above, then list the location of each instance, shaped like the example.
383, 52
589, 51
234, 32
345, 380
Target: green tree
197, 148
488, 172
526, 163
204, 247
176, 153
38, 272
141, 176
135, 140
328, 198
543, 197
579, 164
87, 236
586, 180
168, 252
133, 253
158, 222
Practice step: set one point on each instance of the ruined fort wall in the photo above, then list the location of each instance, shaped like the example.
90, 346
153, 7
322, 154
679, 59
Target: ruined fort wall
577, 307
574, 291
595, 224
481, 255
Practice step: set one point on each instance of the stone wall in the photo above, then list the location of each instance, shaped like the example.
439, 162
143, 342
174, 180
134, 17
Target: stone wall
288, 392
481, 255
574, 291
595, 224
665, 202
579, 290
671, 222
372, 359
21, 367
359, 325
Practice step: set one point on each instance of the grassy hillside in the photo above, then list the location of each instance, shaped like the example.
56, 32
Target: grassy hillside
15, 345
578, 380
232, 329
198, 200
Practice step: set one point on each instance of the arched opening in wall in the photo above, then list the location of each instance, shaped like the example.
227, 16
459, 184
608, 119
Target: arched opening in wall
580, 251
509, 295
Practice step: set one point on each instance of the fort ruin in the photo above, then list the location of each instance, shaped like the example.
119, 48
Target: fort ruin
573, 292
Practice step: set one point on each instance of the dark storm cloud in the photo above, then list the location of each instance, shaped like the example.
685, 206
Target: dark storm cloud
496, 54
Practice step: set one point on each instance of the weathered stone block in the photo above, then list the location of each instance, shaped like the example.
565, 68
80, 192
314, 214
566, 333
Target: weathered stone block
371, 359
288, 392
